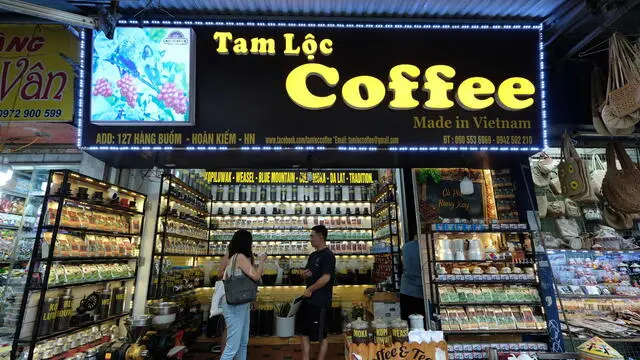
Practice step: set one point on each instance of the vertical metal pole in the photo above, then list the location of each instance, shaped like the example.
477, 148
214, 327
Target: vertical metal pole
154, 294
45, 280
548, 291
34, 256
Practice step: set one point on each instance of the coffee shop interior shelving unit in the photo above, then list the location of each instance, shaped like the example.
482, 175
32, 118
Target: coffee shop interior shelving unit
468, 293
94, 228
386, 226
280, 215
181, 238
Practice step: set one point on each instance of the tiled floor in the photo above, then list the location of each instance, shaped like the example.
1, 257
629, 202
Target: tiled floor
278, 352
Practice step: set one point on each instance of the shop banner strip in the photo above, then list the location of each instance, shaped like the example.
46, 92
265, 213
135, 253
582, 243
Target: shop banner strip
314, 87
292, 177
36, 73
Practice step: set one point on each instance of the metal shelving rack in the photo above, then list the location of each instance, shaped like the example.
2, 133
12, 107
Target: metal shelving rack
384, 203
64, 195
160, 236
434, 283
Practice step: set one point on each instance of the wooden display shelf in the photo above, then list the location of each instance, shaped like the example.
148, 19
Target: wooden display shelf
495, 331
188, 188
187, 205
291, 228
495, 231
183, 221
506, 303
509, 221
352, 215
505, 197
75, 328
503, 185
383, 191
96, 205
89, 231
382, 208
170, 234
383, 224
275, 202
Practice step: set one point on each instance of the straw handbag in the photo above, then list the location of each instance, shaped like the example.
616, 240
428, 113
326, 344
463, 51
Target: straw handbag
625, 99
556, 206
620, 112
619, 125
573, 174
621, 187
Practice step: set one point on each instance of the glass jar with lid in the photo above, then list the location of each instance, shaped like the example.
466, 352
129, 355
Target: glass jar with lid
381, 333
360, 331
399, 331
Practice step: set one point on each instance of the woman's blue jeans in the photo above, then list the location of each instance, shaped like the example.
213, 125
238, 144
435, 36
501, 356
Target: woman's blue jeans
237, 319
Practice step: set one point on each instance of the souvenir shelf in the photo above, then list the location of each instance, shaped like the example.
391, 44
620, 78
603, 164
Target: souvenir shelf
597, 289
87, 240
483, 280
505, 197
386, 245
181, 236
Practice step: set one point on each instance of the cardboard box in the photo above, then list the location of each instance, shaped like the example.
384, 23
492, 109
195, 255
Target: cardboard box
386, 310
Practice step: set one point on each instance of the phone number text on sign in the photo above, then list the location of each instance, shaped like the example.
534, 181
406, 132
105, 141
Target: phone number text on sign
487, 140
13, 114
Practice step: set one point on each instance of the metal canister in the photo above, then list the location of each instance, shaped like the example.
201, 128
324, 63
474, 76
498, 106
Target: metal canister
49, 313
117, 301
65, 311
104, 302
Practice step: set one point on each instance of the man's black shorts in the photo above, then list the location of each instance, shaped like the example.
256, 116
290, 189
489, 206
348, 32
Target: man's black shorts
311, 321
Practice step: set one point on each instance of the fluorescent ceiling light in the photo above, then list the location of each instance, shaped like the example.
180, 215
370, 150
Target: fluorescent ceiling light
44, 12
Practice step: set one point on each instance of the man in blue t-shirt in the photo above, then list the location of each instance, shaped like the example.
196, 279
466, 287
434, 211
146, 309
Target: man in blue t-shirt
411, 294
319, 274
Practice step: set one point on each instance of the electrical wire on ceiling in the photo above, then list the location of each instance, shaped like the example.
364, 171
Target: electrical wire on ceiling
150, 5
22, 147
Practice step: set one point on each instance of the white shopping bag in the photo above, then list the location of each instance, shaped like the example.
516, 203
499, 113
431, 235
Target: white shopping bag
217, 300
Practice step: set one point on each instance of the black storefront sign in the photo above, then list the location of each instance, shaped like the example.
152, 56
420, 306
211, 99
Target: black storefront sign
316, 87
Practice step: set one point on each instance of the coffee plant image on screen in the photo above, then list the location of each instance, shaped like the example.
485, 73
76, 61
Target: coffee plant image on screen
141, 76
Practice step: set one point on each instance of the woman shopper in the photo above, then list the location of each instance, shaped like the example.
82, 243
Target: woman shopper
237, 316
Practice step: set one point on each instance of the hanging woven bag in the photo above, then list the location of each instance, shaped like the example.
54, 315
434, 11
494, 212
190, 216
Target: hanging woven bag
621, 187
